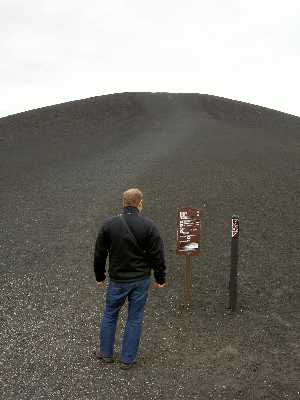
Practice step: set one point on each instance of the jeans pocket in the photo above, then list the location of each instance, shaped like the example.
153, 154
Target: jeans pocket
117, 289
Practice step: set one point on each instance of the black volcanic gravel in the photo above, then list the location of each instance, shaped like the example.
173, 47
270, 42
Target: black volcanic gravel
63, 170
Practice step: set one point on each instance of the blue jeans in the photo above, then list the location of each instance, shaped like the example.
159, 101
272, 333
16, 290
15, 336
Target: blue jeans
116, 295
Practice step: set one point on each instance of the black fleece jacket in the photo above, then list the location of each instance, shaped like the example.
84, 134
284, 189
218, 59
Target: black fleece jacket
126, 262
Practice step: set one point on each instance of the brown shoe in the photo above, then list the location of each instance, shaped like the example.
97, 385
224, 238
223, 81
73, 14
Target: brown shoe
127, 365
99, 356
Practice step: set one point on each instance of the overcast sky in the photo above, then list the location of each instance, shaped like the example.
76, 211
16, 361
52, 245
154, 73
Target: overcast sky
57, 50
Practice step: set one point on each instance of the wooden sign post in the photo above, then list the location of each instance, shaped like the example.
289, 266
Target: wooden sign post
188, 238
235, 232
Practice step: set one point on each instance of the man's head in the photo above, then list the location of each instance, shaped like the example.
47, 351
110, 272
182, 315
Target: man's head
133, 198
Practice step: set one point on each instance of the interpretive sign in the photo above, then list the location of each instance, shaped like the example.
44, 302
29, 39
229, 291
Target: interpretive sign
188, 231
188, 237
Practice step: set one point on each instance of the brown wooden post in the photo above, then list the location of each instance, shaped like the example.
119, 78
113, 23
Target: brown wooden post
233, 280
188, 281
185, 285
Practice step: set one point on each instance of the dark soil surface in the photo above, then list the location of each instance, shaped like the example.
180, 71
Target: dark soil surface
63, 170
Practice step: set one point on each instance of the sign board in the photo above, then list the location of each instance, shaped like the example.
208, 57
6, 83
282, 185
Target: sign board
234, 226
188, 231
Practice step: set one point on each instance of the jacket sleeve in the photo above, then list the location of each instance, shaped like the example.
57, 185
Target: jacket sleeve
156, 255
100, 255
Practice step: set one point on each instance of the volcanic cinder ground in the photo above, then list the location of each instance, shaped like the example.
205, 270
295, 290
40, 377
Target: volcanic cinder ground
63, 171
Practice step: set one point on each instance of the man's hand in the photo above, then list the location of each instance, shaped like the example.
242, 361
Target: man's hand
101, 284
157, 285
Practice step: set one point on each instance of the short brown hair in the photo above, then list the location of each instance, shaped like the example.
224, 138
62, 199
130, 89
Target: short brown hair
132, 197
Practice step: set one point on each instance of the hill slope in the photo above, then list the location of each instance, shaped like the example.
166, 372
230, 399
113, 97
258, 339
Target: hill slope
63, 170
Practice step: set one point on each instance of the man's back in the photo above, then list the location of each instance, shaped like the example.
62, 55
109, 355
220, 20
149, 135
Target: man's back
126, 260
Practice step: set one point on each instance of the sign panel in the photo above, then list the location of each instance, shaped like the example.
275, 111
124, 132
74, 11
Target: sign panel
234, 226
188, 231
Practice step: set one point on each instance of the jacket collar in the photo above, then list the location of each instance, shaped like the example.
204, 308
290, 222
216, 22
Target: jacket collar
130, 210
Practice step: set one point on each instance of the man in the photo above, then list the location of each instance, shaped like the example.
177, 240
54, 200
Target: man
134, 249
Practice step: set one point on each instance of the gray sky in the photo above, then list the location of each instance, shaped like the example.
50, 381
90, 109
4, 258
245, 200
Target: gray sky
56, 50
